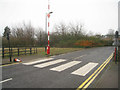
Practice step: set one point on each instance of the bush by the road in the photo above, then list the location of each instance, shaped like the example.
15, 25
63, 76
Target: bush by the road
71, 35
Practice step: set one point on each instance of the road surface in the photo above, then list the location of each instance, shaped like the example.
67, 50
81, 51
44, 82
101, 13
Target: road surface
61, 71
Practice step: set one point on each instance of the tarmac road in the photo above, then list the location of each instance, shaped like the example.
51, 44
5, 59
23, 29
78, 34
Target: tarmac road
61, 71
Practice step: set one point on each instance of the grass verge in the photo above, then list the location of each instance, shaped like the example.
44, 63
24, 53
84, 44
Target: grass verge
41, 53
57, 51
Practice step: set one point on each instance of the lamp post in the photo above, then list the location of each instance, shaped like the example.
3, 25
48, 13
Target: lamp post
48, 24
48, 47
45, 32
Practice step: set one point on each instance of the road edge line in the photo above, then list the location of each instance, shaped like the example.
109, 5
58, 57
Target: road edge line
97, 74
10, 64
93, 73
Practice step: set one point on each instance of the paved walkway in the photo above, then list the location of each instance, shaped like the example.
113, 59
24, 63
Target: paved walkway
23, 58
108, 77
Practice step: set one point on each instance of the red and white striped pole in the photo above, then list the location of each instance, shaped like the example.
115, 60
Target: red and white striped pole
48, 15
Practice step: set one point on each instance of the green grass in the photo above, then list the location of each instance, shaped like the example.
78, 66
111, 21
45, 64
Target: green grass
56, 51
41, 51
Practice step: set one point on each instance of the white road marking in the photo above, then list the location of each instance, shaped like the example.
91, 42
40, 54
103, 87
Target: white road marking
6, 80
65, 66
52, 56
38, 61
49, 63
85, 69
79, 57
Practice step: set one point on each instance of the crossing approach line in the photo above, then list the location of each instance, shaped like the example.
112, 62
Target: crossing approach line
6, 80
38, 61
49, 63
65, 66
80, 56
89, 80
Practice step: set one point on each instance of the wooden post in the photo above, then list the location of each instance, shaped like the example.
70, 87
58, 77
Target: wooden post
11, 52
30, 50
3, 52
34, 50
25, 51
18, 52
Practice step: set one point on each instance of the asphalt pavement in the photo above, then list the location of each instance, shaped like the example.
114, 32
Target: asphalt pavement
61, 71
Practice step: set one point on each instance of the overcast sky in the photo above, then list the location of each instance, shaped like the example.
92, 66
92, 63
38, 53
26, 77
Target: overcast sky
96, 15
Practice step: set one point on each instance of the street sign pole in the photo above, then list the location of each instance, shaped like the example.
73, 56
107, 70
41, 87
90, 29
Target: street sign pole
116, 46
7, 35
9, 49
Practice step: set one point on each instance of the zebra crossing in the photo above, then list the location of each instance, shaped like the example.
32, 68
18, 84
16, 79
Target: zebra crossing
65, 66
85, 69
49, 63
81, 71
38, 61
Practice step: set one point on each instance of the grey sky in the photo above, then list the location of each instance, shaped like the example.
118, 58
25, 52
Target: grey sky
97, 15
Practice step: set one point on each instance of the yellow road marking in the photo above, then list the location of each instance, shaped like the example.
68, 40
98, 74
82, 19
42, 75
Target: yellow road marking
96, 74
93, 73
9, 64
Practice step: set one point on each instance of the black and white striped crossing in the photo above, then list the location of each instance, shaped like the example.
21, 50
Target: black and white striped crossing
81, 71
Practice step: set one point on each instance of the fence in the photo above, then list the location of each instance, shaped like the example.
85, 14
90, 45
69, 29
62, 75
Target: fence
4, 52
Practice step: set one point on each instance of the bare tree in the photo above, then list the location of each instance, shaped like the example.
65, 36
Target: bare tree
60, 29
23, 35
111, 34
76, 29
41, 37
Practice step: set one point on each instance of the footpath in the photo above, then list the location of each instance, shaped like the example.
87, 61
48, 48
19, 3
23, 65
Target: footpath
108, 78
23, 58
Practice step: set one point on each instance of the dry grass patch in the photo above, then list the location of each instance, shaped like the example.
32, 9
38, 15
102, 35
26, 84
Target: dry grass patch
56, 51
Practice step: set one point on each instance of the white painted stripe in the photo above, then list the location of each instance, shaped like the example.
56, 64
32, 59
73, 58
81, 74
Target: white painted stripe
6, 80
65, 66
48, 37
49, 63
38, 61
53, 56
80, 56
85, 69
